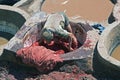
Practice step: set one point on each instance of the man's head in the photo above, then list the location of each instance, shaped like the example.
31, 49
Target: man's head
47, 35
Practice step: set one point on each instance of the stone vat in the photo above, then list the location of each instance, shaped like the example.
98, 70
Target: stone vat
11, 19
103, 62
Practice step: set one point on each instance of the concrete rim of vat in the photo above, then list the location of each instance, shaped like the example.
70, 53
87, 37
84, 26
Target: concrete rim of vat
104, 44
17, 11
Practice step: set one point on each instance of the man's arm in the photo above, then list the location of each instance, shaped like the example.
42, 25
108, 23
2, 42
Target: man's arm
68, 35
72, 38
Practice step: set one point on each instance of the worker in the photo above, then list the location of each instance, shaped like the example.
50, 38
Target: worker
57, 27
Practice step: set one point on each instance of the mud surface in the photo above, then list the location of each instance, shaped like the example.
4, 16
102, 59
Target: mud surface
95, 10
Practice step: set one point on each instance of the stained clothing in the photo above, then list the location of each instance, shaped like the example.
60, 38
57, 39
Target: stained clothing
99, 27
57, 24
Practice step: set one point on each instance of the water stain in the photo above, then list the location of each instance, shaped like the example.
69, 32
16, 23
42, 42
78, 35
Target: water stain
116, 53
95, 10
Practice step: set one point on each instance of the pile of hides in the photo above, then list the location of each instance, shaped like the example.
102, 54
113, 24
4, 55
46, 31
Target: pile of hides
43, 57
40, 57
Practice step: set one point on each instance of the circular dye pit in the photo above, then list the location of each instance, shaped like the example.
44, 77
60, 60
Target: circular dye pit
94, 10
108, 50
10, 23
7, 31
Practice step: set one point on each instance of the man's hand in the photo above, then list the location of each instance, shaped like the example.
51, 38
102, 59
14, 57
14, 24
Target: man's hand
73, 42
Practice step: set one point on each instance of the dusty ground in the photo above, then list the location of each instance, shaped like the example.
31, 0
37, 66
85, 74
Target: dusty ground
71, 70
